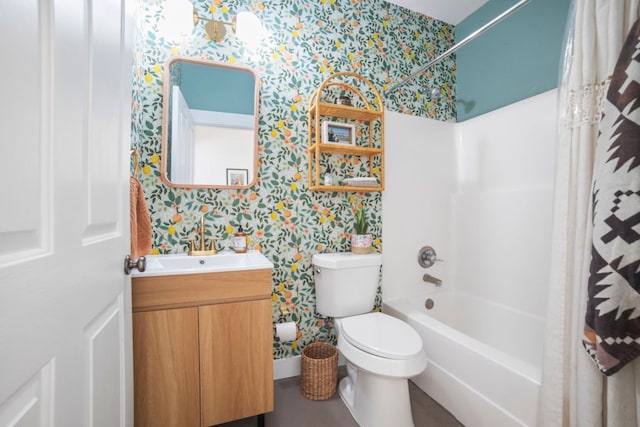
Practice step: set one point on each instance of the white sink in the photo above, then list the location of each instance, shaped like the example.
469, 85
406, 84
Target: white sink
167, 265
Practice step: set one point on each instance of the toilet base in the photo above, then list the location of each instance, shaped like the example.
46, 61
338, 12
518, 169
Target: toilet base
376, 401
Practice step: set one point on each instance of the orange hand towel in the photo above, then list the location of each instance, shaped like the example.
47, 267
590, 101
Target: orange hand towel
140, 222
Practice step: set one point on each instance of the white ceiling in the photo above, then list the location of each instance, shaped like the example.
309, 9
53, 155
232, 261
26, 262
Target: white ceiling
450, 11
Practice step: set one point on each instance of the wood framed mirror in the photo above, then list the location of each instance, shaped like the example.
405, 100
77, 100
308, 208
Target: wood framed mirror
209, 124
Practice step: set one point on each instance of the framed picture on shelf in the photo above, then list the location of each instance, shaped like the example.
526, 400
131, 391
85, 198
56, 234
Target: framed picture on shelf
338, 133
237, 177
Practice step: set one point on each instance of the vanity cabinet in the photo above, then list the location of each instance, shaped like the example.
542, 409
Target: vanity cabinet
364, 118
202, 347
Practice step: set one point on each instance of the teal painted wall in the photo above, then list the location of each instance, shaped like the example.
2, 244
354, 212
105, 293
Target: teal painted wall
202, 89
516, 59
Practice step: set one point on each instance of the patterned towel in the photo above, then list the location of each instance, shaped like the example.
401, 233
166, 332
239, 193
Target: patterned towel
139, 221
612, 329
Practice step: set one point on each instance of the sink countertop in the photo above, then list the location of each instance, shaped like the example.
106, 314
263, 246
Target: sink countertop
175, 264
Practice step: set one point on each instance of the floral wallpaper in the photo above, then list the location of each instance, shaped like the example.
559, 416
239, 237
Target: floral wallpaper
306, 41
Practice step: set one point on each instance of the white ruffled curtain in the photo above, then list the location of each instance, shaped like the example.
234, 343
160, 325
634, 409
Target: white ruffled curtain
574, 392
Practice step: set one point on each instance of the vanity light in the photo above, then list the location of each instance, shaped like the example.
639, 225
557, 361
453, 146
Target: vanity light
180, 17
246, 26
249, 28
177, 19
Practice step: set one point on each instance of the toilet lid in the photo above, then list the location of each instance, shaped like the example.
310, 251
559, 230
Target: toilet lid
382, 335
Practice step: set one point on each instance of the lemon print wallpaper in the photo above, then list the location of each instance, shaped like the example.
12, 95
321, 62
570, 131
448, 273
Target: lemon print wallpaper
305, 42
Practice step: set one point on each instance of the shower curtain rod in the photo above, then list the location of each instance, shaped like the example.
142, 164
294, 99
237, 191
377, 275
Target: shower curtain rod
462, 42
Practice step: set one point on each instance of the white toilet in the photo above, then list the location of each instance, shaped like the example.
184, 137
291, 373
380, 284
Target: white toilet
382, 352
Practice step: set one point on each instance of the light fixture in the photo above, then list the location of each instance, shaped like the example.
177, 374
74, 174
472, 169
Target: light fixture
249, 28
246, 26
177, 16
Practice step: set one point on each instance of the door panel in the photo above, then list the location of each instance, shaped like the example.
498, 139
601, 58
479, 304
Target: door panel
101, 160
65, 322
25, 122
32, 404
106, 366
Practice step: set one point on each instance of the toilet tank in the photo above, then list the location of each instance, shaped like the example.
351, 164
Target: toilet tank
346, 283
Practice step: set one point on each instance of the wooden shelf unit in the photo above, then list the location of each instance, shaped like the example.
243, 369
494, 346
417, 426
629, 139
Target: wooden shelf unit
372, 113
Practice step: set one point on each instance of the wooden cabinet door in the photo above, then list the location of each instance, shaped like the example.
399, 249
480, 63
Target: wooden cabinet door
236, 360
166, 379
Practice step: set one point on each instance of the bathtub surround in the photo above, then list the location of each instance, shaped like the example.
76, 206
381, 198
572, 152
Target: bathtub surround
484, 204
598, 34
420, 176
502, 209
305, 43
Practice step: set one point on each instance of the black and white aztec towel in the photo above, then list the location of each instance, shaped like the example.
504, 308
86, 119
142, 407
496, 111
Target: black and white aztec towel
612, 329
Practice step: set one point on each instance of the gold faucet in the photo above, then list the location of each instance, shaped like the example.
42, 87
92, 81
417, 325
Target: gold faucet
202, 250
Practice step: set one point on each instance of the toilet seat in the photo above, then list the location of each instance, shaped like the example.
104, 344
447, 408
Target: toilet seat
382, 335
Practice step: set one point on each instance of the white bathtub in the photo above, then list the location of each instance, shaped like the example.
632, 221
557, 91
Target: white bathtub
484, 358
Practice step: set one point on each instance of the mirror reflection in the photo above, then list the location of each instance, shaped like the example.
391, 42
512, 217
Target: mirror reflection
209, 124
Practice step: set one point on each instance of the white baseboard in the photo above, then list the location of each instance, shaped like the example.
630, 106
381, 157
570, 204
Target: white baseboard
290, 366
287, 367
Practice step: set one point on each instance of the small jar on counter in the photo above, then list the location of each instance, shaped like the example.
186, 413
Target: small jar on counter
240, 241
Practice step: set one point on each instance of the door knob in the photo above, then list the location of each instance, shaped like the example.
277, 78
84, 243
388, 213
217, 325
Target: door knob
129, 264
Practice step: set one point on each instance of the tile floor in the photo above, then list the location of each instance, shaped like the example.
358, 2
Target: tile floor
294, 410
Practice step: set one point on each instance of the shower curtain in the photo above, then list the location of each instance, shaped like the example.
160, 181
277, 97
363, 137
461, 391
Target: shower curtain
574, 392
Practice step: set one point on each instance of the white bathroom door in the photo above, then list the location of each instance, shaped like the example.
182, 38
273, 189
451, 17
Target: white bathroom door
65, 315
182, 139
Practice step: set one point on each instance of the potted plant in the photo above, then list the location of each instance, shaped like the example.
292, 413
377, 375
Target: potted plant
361, 241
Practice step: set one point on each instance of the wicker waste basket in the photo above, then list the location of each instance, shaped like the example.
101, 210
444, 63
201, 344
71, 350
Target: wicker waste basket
319, 371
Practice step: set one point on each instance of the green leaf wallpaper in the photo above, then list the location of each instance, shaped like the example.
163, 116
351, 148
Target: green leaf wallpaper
306, 42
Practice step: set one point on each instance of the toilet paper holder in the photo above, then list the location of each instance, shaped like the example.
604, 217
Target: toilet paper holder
284, 313
284, 310
289, 329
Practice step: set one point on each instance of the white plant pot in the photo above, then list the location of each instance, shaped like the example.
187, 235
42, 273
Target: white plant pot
361, 243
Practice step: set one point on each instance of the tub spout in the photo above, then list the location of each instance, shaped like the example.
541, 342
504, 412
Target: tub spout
430, 279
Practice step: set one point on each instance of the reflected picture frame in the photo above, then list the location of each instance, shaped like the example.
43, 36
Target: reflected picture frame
237, 177
338, 133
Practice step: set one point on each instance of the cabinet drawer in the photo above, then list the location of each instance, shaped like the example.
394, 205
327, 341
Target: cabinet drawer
188, 290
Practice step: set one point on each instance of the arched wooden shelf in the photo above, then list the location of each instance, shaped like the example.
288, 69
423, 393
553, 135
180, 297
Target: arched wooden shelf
364, 112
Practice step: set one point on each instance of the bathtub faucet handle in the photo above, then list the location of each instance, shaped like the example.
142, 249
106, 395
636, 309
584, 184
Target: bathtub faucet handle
427, 257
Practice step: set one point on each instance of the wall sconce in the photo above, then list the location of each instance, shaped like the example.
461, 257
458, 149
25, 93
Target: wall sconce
176, 19
180, 17
246, 26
